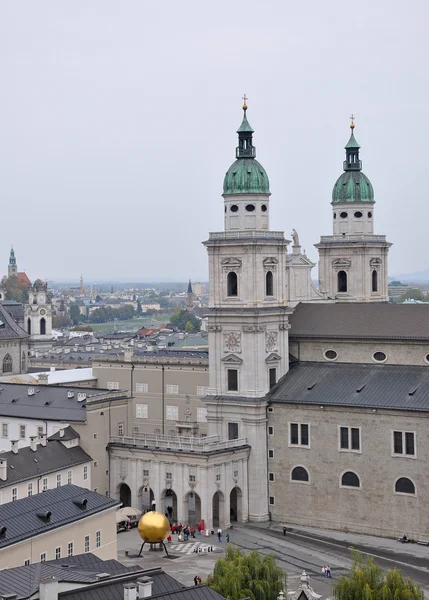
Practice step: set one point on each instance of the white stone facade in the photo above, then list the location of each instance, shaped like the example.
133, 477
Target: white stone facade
38, 318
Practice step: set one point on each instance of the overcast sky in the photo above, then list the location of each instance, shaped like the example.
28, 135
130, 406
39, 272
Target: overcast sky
118, 120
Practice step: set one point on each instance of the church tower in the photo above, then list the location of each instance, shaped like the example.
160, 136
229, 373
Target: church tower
353, 261
38, 314
247, 315
12, 268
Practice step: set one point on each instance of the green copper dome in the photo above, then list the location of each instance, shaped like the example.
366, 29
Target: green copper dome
246, 175
352, 185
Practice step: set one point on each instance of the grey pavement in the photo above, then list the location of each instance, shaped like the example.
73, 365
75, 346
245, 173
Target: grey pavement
302, 548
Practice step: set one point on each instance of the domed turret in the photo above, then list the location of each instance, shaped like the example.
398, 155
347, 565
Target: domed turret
246, 188
352, 185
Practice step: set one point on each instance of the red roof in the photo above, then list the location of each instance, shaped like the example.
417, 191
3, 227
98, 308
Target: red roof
23, 277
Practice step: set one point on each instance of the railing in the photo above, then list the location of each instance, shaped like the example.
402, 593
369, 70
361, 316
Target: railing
365, 237
257, 235
177, 443
356, 166
245, 152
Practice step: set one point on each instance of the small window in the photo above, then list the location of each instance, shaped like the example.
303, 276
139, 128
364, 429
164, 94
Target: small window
250, 207
272, 501
342, 281
87, 543
405, 486
335, 215
172, 389
264, 208
169, 475
271, 477
85, 473
299, 474
369, 215
120, 429
97, 539
232, 380
145, 472
233, 431
358, 215
350, 439
172, 413
22, 432
271, 409
270, 430
7, 364
141, 411
27, 562
269, 289
299, 434
136, 429
404, 443
59, 480
29, 489
43, 557
272, 377
270, 453
232, 284
343, 215
5, 430
113, 385
58, 553
70, 546
374, 281
379, 356
14, 494
350, 479
330, 355
234, 208
44, 484
142, 388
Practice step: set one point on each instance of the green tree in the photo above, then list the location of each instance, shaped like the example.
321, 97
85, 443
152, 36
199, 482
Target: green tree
75, 315
368, 581
414, 294
189, 328
98, 298
240, 575
182, 317
61, 320
16, 288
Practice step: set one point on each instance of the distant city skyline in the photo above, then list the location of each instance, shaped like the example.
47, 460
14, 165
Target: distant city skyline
118, 124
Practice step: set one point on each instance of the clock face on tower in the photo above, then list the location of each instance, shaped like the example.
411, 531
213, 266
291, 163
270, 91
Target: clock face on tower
43, 311
42, 298
232, 341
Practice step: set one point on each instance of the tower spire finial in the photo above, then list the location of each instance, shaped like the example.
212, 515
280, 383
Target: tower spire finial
245, 102
352, 119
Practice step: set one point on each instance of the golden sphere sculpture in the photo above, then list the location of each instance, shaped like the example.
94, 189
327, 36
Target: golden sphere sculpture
153, 527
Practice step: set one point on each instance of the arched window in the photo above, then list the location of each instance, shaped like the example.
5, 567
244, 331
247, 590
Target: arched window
342, 281
23, 362
269, 284
29, 326
42, 326
350, 479
299, 474
404, 485
374, 281
232, 283
7, 364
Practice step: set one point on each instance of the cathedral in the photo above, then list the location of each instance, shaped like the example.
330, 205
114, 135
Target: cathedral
317, 397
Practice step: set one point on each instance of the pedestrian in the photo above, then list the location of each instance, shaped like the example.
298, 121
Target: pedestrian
324, 571
219, 535
169, 538
328, 571
227, 538
199, 529
196, 580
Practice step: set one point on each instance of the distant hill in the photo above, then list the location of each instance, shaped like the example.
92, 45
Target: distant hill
416, 277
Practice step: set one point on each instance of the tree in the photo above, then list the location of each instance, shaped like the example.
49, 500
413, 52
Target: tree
411, 294
189, 328
368, 581
182, 317
61, 320
239, 576
98, 298
75, 315
139, 307
82, 328
16, 288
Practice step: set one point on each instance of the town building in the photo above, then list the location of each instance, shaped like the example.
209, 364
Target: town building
64, 521
38, 317
44, 465
13, 339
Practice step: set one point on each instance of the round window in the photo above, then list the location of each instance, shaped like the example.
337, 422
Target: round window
234, 208
250, 207
427, 358
358, 214
369, 214
331, 355
343, 215
264, 208
379, 356
335, 215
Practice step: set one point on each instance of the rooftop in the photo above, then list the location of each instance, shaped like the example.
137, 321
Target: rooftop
54, 508
9, 329
362, 320
398, 387
49, 402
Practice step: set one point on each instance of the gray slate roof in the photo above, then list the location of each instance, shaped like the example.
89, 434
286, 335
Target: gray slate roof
69, 434
24, 581
10, 329
370, 320
27, 464
355, 385
20, 517
49, 402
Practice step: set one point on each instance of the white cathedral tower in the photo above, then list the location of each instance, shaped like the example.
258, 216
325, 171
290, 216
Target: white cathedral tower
248, 313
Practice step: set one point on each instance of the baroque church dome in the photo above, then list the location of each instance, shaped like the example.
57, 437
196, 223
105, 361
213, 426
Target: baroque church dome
246, 175
352, 185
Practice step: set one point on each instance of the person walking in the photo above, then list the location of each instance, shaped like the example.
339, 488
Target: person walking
227, 538
328, 571
324, 571
196, 580
219, 535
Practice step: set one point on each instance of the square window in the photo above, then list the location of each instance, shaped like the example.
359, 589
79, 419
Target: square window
43, 557
202, 390
141, 411
272, 501
404, 443
270, 430
233, 431
270, 409
27, 562
172, 389
40, 431
299, 435
168, 475
145, 472
142, 388
349, 439
135, 429
270, 453
271, 477
113, 385
172, 413
58, 553
232, 380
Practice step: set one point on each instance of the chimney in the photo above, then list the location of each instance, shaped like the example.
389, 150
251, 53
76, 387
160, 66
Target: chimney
81, 396
42, 439
14, 446
33, 443
130, 591
145, 587
61, 433
128, 355
31, 391
48, 589
3, 469
43, 379
70, 394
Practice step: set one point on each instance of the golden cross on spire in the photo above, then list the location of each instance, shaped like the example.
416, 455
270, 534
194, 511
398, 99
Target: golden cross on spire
352, 119
245, 102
